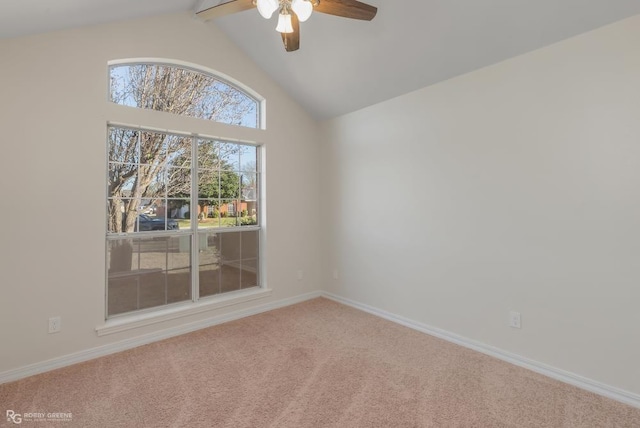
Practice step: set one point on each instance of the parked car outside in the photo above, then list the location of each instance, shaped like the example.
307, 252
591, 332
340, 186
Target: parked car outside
147, 223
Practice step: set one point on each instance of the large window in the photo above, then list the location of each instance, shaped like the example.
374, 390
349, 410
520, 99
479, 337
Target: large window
183, 212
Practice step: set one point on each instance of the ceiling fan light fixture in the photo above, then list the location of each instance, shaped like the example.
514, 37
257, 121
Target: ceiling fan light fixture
267, 7
291, 13
284, 23
302, 8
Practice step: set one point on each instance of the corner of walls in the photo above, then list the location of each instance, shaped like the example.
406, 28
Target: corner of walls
513, 187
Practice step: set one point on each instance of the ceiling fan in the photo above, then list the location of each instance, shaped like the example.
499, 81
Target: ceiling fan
291, 13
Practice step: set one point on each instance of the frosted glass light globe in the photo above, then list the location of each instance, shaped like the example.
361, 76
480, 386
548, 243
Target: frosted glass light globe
284, 24
302, 8
267, 7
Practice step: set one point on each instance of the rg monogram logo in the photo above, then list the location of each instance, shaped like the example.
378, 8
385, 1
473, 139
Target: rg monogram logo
14, 417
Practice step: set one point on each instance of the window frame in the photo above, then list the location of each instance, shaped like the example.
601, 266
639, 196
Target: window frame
197, 303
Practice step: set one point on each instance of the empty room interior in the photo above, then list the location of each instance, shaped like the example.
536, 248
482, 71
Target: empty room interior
320, 213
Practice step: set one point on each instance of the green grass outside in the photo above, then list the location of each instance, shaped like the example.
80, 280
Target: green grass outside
210, 222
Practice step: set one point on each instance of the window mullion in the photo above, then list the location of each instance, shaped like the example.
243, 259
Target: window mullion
195, 240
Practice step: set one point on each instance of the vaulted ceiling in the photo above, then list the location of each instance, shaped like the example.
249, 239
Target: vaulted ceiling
344, 65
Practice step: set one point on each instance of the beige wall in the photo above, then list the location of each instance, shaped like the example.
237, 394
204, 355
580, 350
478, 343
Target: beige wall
524, 179
53, 118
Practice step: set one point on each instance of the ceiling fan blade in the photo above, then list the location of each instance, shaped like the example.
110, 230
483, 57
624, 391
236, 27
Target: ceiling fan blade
347, 9
227, 8
292, 40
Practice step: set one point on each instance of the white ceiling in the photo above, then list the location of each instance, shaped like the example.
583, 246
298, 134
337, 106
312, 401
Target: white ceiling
343, 64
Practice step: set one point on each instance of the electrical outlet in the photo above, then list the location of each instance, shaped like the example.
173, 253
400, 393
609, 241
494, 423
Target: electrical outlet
335, 274
55, 324
514, 319
300, 275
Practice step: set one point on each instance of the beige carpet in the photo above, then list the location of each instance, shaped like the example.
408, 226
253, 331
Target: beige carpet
316, 364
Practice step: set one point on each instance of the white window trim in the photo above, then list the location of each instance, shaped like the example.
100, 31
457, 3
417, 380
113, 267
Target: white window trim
181, 310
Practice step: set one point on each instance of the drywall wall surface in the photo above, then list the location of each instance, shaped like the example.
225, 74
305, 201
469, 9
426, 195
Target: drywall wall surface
514, 187
54, 115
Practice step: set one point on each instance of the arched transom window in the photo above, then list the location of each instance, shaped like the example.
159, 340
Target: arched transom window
182, 91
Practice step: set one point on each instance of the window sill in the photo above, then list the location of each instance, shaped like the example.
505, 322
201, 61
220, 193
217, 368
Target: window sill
134, 321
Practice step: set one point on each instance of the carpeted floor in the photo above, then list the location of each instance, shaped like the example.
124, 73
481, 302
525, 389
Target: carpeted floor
315, 364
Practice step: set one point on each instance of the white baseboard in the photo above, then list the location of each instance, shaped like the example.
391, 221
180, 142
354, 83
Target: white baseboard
576, 380
112, 348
